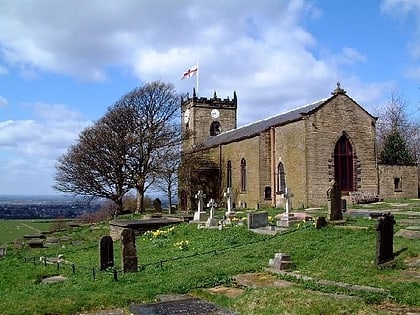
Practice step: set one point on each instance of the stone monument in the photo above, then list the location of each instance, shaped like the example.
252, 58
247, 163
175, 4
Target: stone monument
385, 239
211, 221
106, 252
335, 212
129, 253
287, 218
200, 214
229, 201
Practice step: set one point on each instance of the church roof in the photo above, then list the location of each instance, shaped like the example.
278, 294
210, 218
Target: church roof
255, 128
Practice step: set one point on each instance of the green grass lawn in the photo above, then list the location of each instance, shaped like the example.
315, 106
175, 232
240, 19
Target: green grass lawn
207, 258
14, 229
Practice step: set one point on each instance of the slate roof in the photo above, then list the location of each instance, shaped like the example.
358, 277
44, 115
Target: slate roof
260, 126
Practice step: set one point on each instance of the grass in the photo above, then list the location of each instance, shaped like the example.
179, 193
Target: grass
189, 260
14, 229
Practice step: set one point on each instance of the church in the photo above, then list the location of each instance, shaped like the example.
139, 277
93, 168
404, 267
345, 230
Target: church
303, 150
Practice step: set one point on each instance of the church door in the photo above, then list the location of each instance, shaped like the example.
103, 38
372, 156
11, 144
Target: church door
343, 164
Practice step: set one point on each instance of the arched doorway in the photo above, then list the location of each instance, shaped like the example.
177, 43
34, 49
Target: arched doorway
343, 164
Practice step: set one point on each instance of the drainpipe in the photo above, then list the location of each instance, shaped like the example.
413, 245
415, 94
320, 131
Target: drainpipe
273, 165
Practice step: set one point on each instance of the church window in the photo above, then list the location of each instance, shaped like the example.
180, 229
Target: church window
281, 179
397, 184
215, 128
267, 193
343, 164
243, 175
229, 174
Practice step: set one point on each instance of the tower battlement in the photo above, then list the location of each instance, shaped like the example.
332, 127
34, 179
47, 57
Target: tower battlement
215, 102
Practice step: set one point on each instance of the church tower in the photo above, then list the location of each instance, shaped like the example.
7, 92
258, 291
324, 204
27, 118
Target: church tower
207, 117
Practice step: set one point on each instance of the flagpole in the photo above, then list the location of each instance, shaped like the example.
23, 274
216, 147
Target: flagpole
196, 82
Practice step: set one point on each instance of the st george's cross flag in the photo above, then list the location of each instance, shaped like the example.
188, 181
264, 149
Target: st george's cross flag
190, 72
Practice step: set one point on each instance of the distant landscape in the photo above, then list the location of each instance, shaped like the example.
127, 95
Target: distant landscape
45, 207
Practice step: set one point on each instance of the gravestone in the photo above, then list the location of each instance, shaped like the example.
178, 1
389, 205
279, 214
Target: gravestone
335, 212
257, 219
287, 218
3, 251
157, 205
129, 253
200, 215
385, 239
106, 252
211, 221
229, 195
281, 261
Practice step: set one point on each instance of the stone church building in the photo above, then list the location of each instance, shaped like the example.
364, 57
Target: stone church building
303, 149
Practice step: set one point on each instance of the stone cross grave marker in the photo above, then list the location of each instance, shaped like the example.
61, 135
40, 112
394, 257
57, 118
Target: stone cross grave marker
211, 221
334, 202
287, 217
229, 201
200, 215
129, 253
106, 252
385, 239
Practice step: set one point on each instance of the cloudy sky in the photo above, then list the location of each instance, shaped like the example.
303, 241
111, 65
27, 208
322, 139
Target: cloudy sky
62, 63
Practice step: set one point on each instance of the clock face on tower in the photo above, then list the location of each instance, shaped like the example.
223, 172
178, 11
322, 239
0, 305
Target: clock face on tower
187, 116
215, 114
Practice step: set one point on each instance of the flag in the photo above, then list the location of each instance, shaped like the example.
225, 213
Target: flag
190, 72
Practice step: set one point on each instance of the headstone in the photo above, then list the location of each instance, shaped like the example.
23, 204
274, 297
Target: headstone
281, 261
129, 253
335, 212
3, 251
200, 215
229, 195
211, 221
18, 244
257, 219
385, 239
157, 205
320, 222
287, 218
106, 252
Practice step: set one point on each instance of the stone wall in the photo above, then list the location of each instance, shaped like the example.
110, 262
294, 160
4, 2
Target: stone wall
341, 115
398, 181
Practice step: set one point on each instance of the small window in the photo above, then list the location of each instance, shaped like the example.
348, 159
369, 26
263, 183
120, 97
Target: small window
243, 175
215, 128
267, 193
229, 174
397, 184
281, 179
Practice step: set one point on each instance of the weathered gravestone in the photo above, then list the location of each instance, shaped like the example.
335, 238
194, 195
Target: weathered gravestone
334, 202
385, 239
106, 252
257, 219
129, 253
157, 205
287, 219
200, 215
3, 251
229, 195
211, 221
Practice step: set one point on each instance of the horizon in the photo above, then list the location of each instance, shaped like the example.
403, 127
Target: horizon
60, 73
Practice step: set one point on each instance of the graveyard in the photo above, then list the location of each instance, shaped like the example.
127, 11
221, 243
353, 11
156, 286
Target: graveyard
225, 261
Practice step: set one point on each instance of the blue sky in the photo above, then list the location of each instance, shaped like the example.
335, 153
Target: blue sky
62, 63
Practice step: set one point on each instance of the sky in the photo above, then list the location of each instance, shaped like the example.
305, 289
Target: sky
63, 63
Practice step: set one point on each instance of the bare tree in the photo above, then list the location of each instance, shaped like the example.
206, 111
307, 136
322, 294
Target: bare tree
396, 117
97, 165
167, 178
154, 107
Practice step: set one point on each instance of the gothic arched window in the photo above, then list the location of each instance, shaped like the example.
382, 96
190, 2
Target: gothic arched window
343, 164
215, 128
229, 174
243, 175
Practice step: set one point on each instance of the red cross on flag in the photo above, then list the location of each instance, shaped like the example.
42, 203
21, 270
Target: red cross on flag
190, 72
